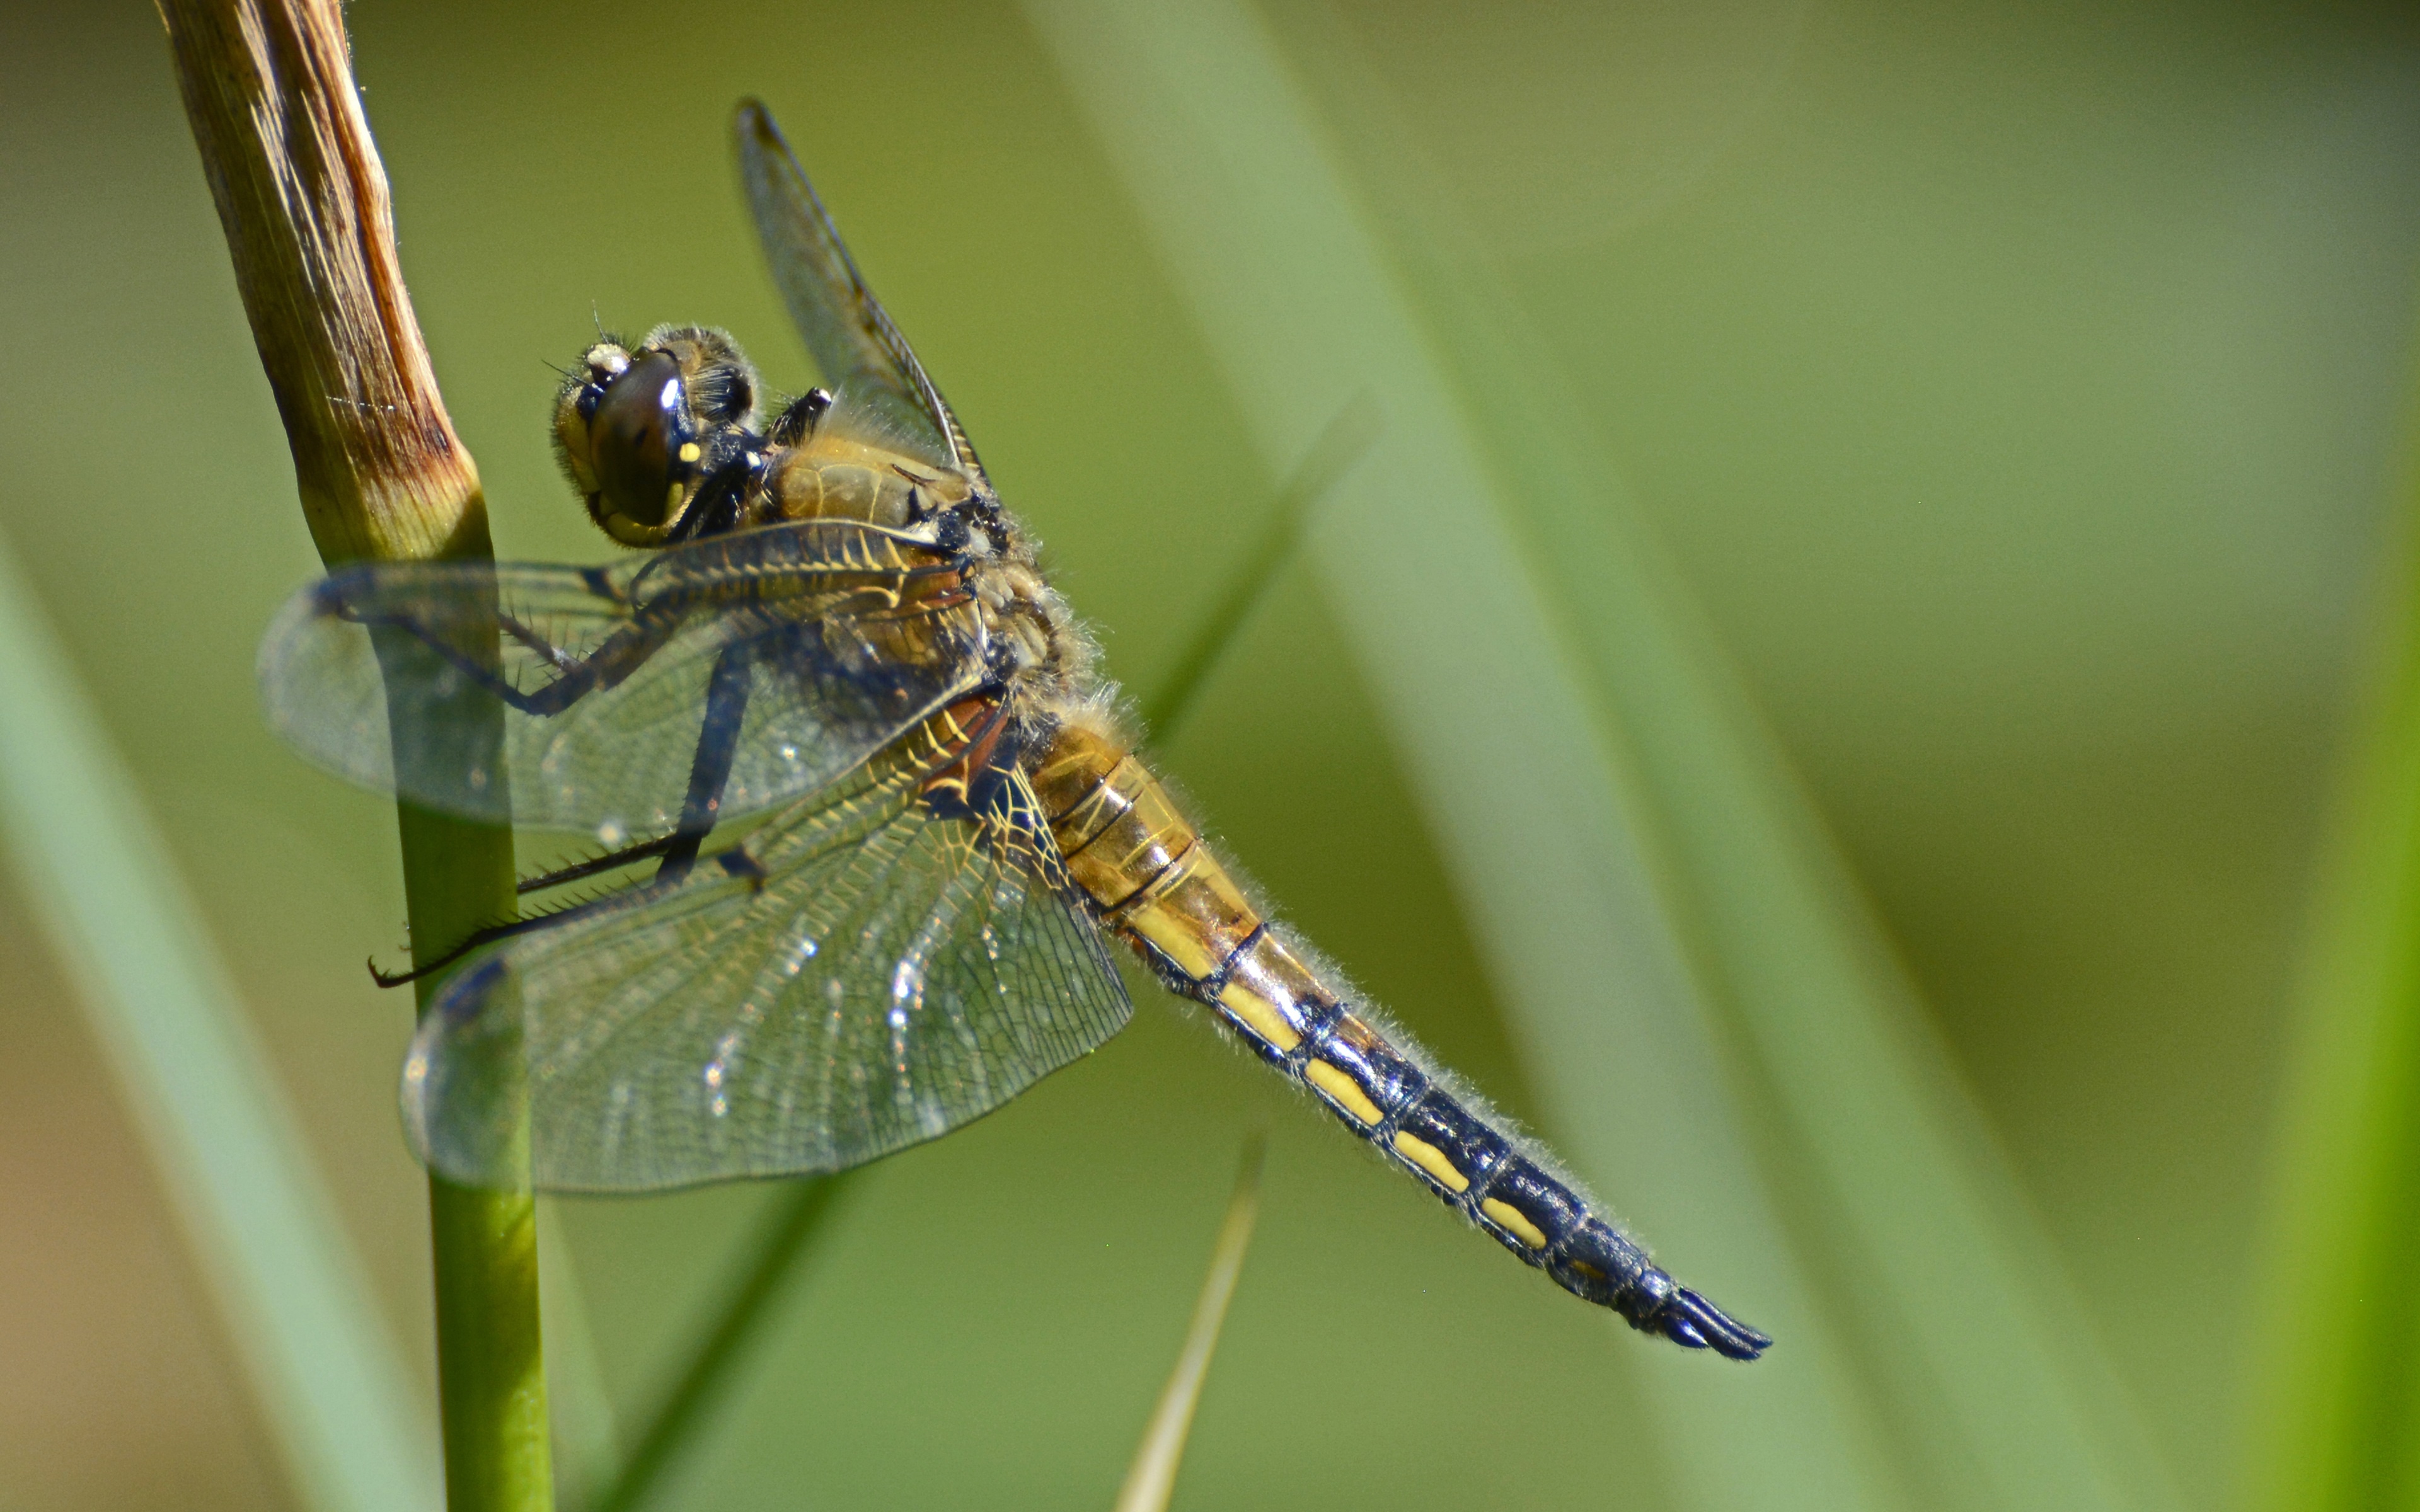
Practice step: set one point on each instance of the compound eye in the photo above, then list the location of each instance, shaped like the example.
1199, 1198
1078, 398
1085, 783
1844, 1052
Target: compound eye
641, 448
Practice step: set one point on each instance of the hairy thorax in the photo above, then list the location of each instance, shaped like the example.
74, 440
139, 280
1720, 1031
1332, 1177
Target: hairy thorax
1040, 652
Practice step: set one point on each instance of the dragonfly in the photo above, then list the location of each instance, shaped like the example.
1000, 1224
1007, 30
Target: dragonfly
870, 814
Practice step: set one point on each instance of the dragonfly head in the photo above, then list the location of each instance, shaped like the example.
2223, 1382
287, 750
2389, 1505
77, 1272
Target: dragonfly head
640, 429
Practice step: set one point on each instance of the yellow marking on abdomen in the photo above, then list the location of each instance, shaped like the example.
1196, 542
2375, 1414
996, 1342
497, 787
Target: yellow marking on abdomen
1193, 913
1431, 1159
1257, 1014
1518, 1226
1342, 1087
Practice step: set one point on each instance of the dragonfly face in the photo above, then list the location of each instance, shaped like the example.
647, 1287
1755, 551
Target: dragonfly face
655, 437
839, 634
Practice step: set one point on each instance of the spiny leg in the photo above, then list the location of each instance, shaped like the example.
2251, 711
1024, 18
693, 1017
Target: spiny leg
709, 771
718, 746
616, 659
597, 864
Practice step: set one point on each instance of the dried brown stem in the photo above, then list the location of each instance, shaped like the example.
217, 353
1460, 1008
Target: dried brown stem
269, 89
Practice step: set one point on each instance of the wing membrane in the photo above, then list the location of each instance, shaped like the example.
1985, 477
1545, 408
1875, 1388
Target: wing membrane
854, 636
888, 976
862, 356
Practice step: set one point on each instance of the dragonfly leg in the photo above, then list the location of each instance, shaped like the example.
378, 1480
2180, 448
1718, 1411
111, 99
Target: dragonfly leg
489, 935
616, 659
538, 645
717, 745
709, 771
597, 864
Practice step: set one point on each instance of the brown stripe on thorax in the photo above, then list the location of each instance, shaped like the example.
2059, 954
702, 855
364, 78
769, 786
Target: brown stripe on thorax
955, 745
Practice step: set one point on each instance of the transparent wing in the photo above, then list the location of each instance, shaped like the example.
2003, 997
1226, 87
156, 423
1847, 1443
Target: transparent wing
872, 974
851, 636
862, 356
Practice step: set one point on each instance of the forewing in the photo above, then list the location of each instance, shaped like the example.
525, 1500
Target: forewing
891, 974
862, 356
852, 638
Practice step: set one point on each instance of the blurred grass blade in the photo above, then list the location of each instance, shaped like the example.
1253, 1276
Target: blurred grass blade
1710, 1011
1953, 1300
336, 1398
587, 1443
1444, 614
796, 1222
1331, 458
1152, 1479
2335, 1399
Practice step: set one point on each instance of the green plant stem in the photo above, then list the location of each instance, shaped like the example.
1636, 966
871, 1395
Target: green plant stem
303, 197
796, 1222
491, 1372
490, 1367
457, 875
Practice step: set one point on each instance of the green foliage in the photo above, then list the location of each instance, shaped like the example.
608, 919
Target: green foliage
2337, 1394
1999, 402
288, 1287
776, 1252
1487, 564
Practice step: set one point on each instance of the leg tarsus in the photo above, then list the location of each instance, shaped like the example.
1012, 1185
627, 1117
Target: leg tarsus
489, 935
611, 861
726, 707
471, 942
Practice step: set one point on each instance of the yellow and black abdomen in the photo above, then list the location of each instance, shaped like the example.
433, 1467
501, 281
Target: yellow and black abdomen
1156, 885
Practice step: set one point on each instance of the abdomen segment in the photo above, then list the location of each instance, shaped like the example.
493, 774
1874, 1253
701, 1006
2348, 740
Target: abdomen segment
1156, 885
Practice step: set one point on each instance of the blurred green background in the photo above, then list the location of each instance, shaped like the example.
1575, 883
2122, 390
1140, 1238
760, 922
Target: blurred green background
2018, 392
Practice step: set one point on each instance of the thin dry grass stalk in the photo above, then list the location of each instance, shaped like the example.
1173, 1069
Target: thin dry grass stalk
301, 193
269, 89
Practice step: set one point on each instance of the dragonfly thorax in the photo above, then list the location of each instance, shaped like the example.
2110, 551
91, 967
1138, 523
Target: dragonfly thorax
659, 440
836, 475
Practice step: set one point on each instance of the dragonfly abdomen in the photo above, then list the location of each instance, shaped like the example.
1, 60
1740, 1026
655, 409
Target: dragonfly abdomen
1155, 884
